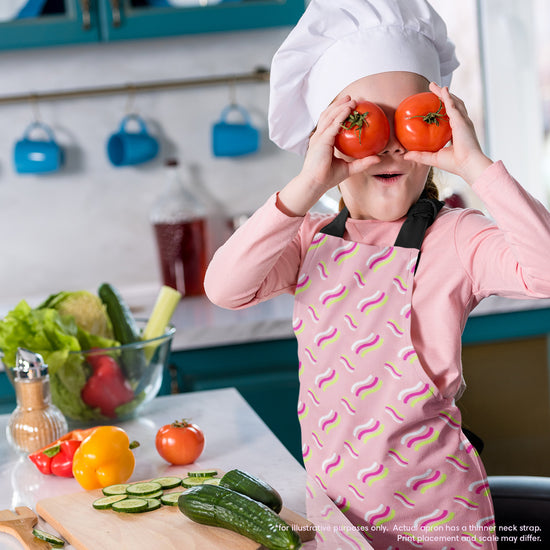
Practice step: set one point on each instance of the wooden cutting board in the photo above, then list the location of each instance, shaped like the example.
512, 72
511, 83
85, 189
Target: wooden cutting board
166, 528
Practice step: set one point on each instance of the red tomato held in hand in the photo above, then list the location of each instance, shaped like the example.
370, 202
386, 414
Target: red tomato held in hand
180, 442
421, 123
364, 133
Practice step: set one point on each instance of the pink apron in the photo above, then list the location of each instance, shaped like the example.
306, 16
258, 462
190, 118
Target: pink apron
377, 434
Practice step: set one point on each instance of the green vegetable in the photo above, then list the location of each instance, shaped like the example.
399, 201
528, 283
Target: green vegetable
222, 507
130, 505
104, 503
118, 489
168, 482
247, 484
144, 489
54, 336
164, 308
171, 499
87, 309
203, 473
56, 542
126, 331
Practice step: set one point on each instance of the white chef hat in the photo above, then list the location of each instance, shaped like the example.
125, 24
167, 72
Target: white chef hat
337, 42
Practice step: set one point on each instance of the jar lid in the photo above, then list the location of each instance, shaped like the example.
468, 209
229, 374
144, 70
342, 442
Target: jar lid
29, 365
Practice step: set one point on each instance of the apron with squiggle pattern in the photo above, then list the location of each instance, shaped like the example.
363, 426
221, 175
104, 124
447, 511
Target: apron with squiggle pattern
377, 434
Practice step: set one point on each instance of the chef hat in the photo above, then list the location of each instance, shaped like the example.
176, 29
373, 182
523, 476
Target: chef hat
337, 42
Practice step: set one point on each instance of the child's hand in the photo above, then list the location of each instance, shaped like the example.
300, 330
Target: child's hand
463, 156
322, 170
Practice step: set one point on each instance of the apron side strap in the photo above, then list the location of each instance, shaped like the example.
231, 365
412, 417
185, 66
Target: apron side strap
337, 227
419, 217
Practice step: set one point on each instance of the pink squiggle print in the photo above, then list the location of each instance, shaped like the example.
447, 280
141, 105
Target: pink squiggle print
441, 516
428, 480
420, 437
384, 255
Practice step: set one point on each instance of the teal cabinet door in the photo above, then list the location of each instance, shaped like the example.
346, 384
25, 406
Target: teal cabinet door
131, 19
264, 373
59, 22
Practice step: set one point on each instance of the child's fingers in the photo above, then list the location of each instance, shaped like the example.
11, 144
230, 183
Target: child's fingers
335, 113
422, 157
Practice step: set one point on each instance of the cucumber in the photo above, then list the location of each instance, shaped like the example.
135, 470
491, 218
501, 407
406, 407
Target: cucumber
168, 482
144, 489
130, 505
203, 473
171, 499
193, 481
104, 503
222, 507
125, 331
118, 489
247, 484
56, 542
152, 504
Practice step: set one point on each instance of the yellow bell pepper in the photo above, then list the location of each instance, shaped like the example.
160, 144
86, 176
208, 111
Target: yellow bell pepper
104, 458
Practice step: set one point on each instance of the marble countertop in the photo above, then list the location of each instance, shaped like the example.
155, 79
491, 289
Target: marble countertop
235, 438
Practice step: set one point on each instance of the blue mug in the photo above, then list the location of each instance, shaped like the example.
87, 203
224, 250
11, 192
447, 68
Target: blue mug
126, 148
37, 156
231, 139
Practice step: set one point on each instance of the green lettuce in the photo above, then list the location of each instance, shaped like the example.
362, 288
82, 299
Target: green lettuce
56, 337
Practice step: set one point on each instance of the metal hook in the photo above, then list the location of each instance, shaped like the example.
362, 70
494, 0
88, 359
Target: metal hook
33, 98
233, 91
130, 101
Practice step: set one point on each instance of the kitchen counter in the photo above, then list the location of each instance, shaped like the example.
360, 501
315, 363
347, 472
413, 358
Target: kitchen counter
235, 438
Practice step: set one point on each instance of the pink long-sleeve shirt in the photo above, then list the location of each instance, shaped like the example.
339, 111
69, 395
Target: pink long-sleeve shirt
466, 256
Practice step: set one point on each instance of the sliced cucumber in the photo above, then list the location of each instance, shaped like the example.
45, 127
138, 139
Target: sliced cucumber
143, 489
212, 481
48, 537
152, 504
193, 481
119, 489
156, 494
171, 499
103, 503
167, 482
203, 473
131, 505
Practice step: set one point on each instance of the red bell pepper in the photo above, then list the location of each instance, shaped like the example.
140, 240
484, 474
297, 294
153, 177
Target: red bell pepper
57, 458
107, 388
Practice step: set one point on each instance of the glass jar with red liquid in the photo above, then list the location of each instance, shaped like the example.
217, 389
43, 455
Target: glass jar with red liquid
179, 220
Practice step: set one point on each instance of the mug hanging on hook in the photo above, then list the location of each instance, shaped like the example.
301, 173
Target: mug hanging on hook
126, 147
231, 139
37, 156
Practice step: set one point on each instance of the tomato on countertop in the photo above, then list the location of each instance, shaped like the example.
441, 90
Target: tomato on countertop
421, 123
365, 132
180, 442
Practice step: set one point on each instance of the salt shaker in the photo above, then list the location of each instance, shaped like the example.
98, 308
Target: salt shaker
35, 422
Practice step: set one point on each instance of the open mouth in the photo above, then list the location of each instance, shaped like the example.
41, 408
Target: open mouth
388, 177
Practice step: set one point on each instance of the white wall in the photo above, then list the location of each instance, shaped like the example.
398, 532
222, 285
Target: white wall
89, 223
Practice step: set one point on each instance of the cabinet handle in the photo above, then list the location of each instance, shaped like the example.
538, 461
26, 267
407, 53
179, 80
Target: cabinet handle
86, 20
115, 12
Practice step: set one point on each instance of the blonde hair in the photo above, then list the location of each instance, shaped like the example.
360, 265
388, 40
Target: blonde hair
430, 189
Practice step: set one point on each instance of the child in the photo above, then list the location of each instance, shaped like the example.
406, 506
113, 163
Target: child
379, 325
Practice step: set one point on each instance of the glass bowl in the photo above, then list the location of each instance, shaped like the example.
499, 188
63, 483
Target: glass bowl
107, 385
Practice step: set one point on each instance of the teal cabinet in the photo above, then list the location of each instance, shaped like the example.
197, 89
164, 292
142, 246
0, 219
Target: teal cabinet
265, 373
65, 22
7, 394
150, 18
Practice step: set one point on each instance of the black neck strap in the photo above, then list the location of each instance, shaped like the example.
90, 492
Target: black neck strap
411, 235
